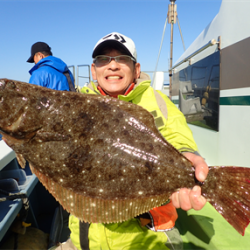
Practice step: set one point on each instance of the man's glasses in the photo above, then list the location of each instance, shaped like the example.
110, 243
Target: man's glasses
100, 61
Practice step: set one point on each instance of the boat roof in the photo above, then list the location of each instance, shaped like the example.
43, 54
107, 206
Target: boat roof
230, 24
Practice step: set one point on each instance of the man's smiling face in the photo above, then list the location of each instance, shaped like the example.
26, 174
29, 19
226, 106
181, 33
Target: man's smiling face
114, 78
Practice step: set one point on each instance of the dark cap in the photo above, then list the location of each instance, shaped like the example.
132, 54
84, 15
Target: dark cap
38, 47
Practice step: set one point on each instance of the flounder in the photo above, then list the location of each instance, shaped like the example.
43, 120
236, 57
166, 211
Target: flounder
103, 159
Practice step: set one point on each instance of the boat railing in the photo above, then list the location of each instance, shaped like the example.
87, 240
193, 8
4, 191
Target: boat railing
80, 76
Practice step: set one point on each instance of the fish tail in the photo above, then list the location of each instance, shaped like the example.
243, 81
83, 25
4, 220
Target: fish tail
228, 190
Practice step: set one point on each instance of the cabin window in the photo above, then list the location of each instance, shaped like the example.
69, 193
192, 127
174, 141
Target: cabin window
198, 88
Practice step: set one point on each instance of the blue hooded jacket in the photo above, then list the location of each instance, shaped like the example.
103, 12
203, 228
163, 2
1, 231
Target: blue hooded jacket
48, 72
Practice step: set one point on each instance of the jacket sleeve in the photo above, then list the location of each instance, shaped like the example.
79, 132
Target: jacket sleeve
176, 130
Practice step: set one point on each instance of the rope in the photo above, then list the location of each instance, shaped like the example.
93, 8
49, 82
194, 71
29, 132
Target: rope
12, 196
164, 29
163, 34
181, 33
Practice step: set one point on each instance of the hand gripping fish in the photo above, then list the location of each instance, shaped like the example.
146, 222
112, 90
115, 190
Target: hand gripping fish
103, 159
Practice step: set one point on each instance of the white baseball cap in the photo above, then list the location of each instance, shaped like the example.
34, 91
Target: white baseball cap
118, 39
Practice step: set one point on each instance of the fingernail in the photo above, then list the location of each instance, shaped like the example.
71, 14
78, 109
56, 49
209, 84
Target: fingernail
196, 188
202, 176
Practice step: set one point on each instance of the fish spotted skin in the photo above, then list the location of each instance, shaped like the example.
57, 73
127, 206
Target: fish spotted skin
103, 159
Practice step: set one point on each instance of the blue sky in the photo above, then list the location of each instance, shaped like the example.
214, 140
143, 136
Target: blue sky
72, 28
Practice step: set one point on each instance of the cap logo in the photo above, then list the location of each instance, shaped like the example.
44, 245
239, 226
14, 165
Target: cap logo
119, 38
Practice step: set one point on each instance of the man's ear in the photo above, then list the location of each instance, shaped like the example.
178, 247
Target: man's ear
93, 71
41, 54
137, 70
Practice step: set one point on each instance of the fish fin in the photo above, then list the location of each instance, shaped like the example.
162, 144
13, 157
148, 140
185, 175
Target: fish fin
21, 160
97, 210
228, 190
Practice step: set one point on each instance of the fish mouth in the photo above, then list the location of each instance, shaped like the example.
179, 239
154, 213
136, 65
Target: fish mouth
16, 140
16, 124
17, 127
19, 135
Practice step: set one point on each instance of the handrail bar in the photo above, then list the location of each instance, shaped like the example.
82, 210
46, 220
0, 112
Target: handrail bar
82, 65
72, 66
210, 43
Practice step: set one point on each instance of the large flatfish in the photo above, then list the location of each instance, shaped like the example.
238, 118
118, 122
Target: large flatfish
103, 159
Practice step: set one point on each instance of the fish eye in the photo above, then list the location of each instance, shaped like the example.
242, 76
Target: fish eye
11, 85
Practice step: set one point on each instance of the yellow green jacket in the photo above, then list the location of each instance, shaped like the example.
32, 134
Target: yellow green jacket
172, 125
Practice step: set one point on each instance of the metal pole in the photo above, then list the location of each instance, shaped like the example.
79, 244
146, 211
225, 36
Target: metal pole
172, 20
171, 60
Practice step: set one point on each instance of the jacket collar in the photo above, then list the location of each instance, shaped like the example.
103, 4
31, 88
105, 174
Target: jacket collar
142, 83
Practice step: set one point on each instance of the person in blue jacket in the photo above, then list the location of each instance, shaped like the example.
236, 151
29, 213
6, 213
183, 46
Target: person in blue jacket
49, 71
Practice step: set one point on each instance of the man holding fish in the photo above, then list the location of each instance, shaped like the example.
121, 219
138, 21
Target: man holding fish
117, 73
